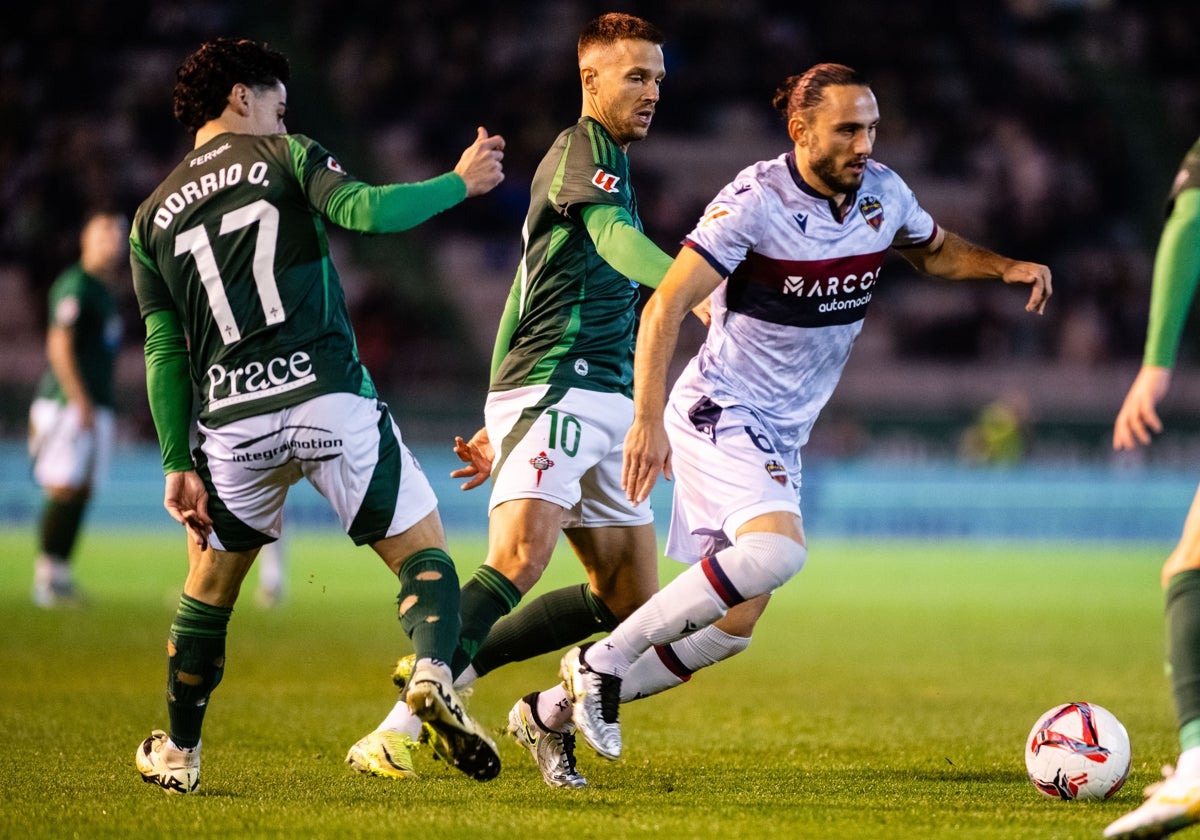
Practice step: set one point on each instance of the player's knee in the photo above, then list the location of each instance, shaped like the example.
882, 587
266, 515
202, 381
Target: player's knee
777, 558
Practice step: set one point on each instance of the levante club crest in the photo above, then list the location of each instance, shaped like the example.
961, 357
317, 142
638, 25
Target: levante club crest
871, 210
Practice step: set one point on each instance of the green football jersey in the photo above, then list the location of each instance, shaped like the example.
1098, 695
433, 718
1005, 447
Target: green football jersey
84, 303
576, 314
234, 241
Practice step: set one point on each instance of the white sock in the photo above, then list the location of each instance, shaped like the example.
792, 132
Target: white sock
554, 708
666, 666
683, 606
466, 679
401, 719
757, 564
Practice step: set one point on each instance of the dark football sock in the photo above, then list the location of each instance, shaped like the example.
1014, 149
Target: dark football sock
429, 604
551, 622
486, 598
60, 526
195, 664
1183, 651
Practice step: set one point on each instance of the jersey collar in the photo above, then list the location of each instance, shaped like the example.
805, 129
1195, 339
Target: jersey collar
839, 212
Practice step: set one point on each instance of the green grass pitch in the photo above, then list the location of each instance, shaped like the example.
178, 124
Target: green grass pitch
887, 694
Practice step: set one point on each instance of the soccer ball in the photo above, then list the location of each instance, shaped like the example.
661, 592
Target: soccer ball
1078, 751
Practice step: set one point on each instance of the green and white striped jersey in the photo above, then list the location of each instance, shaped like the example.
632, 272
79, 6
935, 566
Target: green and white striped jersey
576, 313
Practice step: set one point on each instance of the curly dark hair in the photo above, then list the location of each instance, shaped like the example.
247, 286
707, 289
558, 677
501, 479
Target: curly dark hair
617, 26
204, 80
807, 90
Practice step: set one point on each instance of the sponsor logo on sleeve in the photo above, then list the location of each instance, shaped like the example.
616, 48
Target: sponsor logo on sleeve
605, 181
332, 163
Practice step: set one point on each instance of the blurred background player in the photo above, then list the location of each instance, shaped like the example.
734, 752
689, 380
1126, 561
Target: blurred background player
1174, 803
72, 416
234, 279
790, 252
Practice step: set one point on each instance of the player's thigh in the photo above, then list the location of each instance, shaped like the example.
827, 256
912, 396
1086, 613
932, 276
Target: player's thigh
725, 477
1186, 554
215, 576
621, 563
522, 535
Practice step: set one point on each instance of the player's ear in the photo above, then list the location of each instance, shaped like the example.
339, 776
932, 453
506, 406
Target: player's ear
797, 129
587, 76
239, 99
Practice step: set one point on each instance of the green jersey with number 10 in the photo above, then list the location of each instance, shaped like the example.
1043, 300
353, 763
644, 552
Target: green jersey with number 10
234, 242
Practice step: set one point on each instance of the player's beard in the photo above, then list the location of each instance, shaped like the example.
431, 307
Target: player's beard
826, 167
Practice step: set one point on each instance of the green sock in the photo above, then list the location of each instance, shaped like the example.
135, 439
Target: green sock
557, 619
1183, 652
60, 526
486, 598
195, 664
429, 604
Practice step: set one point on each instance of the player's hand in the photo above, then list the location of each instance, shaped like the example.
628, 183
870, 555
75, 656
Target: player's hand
1138, 416
480, 166
187, 502
703, 311
647, 453
1033, 274
478, 455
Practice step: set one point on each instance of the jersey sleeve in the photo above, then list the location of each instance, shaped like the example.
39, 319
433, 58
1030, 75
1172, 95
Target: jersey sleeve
355, 205
1176, 275
731, 225
148, 284
66, 298
917, 227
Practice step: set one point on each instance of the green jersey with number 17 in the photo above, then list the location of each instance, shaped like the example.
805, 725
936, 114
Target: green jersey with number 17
234, 241
576, 315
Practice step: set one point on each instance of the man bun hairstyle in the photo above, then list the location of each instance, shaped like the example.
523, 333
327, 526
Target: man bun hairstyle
802, 93
203, 81
607, 29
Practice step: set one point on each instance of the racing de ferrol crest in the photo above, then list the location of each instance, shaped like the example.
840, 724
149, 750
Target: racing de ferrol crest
871, 210
540, 462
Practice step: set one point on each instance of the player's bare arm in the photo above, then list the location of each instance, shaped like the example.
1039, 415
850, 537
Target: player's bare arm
480, 166
688, 283
1138, 417
950, 256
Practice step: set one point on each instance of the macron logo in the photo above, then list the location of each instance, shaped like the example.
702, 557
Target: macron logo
605, 181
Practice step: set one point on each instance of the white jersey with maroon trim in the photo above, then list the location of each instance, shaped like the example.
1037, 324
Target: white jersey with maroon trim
799, 277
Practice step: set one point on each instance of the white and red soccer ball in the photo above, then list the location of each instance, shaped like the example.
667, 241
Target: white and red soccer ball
1078, 751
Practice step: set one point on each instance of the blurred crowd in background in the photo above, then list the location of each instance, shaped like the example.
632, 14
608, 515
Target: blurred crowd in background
1048, 130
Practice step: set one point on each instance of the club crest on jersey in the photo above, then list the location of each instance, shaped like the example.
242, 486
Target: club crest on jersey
605, 181
871, 210
540, 462
334, 165
777, 471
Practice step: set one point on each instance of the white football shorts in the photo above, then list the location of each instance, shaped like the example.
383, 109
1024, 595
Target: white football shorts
64, 453
727, 471
565, 448
348, 447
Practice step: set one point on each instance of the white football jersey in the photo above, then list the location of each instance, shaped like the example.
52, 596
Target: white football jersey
798, 282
